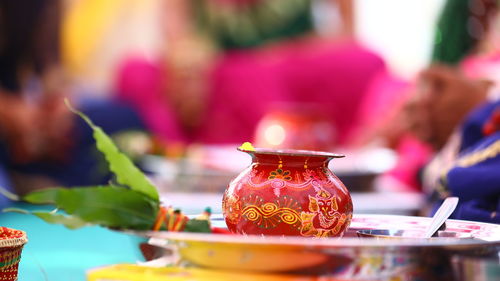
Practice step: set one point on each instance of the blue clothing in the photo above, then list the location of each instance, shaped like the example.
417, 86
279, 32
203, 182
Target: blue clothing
475, 179
472, 128
85, 164
475, 176
5, 184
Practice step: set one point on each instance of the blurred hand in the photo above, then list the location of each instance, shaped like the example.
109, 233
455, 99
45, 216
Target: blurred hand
36, 131
18, 125
55, 128
443, 97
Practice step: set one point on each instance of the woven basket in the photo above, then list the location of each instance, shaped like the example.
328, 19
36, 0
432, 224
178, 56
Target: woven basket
11, 245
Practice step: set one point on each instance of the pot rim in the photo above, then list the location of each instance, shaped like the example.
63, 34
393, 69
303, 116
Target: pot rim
291, 152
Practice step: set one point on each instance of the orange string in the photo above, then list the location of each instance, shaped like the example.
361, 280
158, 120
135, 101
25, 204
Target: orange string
159, 218
173, 220
178, 222
170, 222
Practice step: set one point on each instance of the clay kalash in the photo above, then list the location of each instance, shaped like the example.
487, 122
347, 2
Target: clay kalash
287, 192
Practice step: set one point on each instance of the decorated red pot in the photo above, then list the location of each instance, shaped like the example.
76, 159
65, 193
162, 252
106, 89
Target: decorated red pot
287, 192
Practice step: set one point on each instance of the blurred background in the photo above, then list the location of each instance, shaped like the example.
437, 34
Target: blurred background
189, 80
204, 76
180, 84
98, 36
404, 89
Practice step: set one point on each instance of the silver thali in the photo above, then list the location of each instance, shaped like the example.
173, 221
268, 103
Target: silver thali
349, 257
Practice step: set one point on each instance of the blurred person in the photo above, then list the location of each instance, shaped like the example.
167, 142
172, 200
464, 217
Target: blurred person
419, 123
452, 108
474, 176
228, 62
452, 84
462, 28
41, 142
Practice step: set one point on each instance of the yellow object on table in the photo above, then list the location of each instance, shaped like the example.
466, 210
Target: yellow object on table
129, 272
247, 146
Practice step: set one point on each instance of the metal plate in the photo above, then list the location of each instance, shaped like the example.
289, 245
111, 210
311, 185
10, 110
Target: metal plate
347, 257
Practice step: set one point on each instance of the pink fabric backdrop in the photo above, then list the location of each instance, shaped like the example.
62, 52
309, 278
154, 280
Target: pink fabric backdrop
245, 84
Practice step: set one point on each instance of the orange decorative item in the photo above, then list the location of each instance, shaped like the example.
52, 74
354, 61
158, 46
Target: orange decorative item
296, 127
287, 192
11, 245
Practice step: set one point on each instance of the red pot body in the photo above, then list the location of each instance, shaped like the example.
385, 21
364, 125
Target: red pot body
288, 192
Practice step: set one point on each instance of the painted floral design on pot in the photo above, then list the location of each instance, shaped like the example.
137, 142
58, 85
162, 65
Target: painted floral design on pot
287, 192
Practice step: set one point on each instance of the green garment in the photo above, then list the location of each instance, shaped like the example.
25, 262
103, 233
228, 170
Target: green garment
245, 24
453, 41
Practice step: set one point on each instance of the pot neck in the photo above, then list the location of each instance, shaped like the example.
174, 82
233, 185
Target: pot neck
290, 160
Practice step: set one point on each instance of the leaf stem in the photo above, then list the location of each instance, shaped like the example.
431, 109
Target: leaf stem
8, 194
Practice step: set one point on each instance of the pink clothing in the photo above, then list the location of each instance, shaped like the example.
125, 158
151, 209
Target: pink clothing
482, 66
412, 156
245, 84
140, 83
347, 82
382, 102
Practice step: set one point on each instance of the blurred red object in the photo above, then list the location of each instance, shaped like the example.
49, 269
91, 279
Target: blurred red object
220, 230
296, 127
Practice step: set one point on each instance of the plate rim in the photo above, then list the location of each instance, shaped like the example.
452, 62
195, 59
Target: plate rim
334, 242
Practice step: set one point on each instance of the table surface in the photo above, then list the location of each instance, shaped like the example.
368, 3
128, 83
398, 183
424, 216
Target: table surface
55, 253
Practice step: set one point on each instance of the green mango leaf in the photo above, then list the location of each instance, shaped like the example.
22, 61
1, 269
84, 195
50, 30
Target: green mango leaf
132, 205
109, 206
124, 169
71, 222
195, 225
42, 196
112, 206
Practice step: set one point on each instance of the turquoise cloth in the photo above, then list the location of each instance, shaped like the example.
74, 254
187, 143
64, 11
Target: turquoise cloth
55, 253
